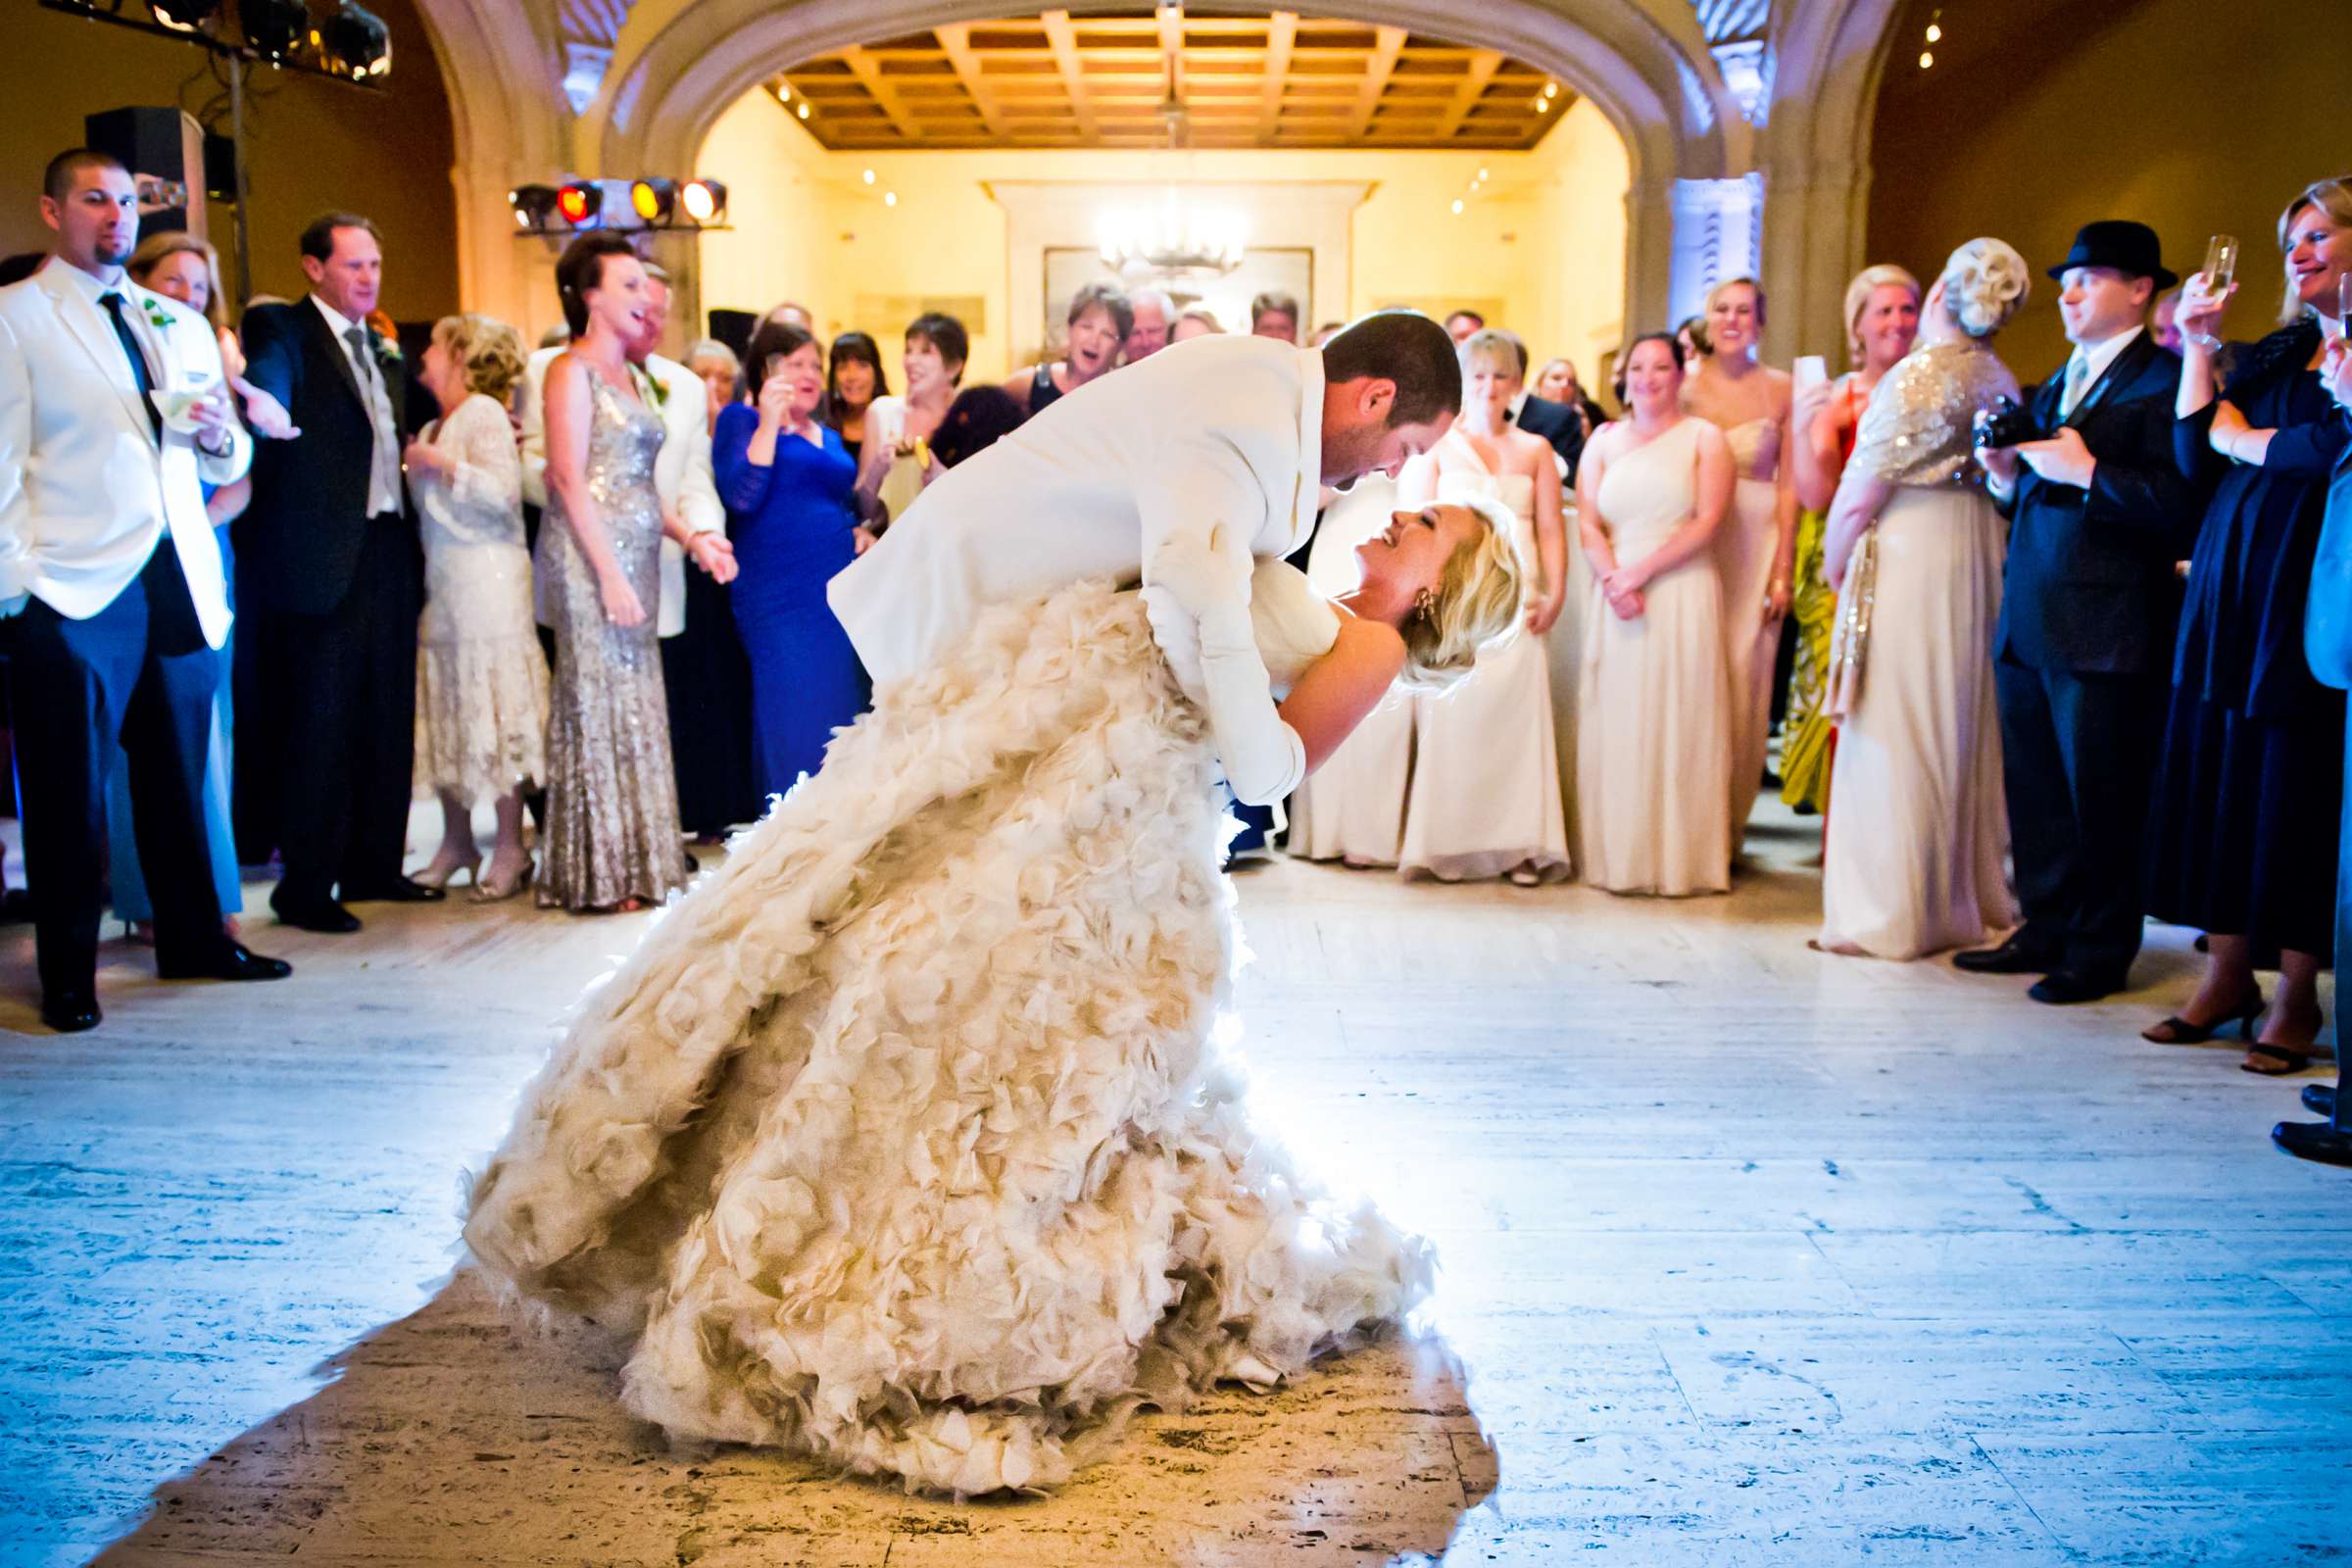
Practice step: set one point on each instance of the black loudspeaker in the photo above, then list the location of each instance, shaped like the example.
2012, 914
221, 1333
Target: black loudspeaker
164, 150
734, 328
219, 167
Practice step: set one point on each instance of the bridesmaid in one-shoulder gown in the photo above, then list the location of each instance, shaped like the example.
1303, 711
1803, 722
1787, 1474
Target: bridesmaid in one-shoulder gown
1655, 725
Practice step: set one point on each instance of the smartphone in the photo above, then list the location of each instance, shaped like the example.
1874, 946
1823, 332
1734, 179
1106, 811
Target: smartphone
1812, 370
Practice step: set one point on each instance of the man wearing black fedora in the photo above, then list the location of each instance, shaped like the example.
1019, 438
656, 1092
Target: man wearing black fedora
2083, 656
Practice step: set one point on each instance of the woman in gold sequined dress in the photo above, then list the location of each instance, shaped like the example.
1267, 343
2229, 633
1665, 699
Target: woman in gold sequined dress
612, 839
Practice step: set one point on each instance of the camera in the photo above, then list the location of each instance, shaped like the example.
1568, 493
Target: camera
2005, 424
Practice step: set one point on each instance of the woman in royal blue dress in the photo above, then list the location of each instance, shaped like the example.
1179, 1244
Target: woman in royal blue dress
788, 485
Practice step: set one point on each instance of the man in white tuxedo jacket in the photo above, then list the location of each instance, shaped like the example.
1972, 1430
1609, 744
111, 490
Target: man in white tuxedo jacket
111, 582
1224, 437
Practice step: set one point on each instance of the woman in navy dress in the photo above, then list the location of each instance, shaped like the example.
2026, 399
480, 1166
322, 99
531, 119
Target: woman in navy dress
788, 485
2244, 836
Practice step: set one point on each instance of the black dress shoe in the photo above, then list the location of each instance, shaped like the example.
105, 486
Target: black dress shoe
70, 1013
2319, 1099
2013, 957
2319, 1140
403, 891
230, 960
2064, 987
325, 915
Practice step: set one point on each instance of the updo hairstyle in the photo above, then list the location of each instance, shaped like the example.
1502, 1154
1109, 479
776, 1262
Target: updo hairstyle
486, 350
1985, 283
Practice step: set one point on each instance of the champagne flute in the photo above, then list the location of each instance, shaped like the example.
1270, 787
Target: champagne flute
2220, 265
2343, 304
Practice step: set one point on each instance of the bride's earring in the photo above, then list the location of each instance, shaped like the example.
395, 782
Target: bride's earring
1426, 605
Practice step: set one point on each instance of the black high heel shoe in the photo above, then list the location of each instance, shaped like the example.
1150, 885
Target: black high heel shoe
2177, 1031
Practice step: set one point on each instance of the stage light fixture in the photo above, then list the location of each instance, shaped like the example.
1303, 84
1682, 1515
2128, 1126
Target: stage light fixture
581, 204
654, 200
183, 15
274, 29
534, 206
356, 41
705, 201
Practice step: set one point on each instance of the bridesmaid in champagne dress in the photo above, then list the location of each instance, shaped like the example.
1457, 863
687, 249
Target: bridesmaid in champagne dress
1756, 546
612, 839
1352, 809
1485, 799
1918, 828
1654, 716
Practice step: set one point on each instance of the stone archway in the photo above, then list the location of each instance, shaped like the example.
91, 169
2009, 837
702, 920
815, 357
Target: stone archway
1620, 58
1644, 64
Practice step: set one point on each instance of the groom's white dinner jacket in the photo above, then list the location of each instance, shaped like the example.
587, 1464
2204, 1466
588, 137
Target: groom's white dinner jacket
1224, 430
86, 489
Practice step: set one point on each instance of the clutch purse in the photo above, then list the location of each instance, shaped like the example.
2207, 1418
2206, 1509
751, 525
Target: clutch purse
1850, 639
904, 481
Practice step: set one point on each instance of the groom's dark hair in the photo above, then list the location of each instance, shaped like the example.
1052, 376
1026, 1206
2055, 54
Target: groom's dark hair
1404, 347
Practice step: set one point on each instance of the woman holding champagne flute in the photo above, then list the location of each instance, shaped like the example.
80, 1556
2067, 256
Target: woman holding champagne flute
2244, 828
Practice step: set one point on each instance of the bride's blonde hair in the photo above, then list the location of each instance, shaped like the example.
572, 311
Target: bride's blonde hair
1475, 607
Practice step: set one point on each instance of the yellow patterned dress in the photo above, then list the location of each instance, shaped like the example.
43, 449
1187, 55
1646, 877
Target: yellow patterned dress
1808, 735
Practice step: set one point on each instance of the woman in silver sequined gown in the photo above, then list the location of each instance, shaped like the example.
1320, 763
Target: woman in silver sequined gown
611, 838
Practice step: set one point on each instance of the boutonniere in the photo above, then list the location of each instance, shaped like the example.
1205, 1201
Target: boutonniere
651, 388
387, 349
157, 316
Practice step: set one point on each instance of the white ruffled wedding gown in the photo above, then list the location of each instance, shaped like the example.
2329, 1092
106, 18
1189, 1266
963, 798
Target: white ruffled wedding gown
903, 1139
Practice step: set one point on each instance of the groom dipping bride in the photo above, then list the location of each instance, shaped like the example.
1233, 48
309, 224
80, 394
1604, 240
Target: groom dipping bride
901, 1141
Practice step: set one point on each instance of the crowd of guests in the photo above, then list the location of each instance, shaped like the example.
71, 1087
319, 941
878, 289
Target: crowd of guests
2058, 658
2061, 658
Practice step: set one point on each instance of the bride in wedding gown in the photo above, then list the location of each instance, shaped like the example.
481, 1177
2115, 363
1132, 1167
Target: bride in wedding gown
905, 1139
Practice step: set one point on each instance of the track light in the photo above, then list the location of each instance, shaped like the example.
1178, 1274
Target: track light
653, 200
274, 29
185, 15
648, 202
356, 40
581, 204
534, 206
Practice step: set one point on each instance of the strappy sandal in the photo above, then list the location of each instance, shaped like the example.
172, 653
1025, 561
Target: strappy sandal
2289, 1059
2177, 1031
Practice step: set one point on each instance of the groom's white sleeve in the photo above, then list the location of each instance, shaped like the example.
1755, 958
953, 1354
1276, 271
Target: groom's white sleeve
1197, 524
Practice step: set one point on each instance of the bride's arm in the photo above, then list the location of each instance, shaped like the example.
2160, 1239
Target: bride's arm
1340, 688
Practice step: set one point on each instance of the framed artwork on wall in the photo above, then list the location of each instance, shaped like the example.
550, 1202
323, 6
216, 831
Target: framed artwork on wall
1277, 269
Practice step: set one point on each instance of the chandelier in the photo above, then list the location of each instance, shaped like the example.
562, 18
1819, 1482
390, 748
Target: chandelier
1178, 236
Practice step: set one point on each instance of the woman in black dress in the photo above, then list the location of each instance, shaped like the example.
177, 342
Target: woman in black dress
1099, 321
2244, 832
853, 379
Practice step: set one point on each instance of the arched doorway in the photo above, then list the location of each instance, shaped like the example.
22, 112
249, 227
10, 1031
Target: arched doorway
675, 66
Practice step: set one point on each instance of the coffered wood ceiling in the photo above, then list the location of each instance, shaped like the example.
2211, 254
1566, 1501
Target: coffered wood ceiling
1279, 79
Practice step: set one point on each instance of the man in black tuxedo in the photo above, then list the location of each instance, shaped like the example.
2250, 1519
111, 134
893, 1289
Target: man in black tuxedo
331, 579
2083, 657
1557, 422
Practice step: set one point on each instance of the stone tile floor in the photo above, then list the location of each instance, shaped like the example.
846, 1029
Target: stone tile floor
1750, 1256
